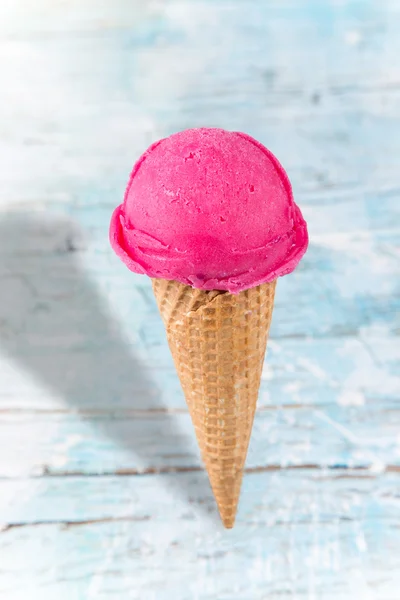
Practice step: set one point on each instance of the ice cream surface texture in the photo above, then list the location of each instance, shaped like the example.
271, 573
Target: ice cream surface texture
212, 209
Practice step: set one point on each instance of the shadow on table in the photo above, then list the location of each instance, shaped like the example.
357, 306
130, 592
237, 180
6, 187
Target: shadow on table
55, 324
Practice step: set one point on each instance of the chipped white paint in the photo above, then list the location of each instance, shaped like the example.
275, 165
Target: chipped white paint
101, 492
351, 398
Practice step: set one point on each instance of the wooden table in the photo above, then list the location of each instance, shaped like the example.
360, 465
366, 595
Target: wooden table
102, 494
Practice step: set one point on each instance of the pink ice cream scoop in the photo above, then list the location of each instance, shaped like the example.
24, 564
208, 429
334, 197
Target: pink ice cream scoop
212, 209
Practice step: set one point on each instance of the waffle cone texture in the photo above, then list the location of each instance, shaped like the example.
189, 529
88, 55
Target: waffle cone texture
218, 342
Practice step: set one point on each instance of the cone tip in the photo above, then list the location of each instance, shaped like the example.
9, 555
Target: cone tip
227, 496
228, 522
228, 516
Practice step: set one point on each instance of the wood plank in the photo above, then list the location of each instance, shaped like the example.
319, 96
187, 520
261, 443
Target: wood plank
326, 119
298, 533
34, 444
112, 378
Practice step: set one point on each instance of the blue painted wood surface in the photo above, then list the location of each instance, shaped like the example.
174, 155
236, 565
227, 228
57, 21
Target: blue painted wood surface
102, 494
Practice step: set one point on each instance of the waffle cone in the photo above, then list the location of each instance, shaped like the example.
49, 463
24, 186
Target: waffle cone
218, 343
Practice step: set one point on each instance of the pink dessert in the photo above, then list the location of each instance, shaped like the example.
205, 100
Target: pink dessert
211, 209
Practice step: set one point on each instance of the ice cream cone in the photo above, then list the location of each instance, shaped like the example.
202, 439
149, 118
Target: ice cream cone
218, 343
213, 210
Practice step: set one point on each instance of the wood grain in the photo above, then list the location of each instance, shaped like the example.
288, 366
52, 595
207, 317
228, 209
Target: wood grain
300, 533
101, 489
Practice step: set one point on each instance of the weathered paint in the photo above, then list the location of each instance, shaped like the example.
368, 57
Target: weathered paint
101, 489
